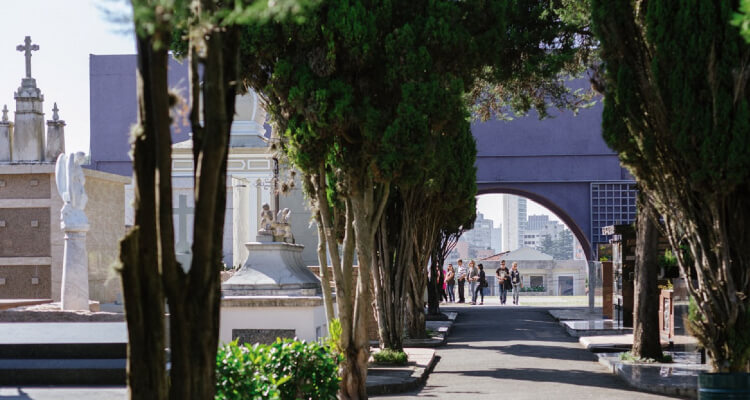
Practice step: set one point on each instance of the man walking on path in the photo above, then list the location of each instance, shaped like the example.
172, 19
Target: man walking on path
461, 275
517, 353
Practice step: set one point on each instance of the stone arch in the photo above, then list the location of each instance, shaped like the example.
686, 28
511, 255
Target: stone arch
564, 216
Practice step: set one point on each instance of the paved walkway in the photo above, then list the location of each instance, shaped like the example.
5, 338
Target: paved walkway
517, 353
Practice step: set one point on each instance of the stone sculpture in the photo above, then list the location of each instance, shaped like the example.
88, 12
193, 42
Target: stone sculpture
283, 226
70, 185
266, 219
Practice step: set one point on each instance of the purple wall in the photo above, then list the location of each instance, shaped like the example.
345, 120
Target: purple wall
552, 162
114, 108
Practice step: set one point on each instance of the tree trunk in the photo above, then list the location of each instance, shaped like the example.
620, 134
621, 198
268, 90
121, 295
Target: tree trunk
325, 276
142, 287
646, 338
195, 298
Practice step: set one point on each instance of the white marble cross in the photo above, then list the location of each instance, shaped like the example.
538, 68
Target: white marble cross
5, 113
27, 48
182, 211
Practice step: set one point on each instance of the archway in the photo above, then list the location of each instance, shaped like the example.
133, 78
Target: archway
564, 216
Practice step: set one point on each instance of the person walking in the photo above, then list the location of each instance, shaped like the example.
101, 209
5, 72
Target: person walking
503, 281
450, 283
515, 280
461, 275
481, 284
473, 278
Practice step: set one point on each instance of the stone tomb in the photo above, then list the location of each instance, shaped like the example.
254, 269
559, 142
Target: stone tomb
31, 241
272, 295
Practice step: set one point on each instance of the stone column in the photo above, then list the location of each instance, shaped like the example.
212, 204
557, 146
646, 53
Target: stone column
28, 135
55, 137
75, 279
6, 132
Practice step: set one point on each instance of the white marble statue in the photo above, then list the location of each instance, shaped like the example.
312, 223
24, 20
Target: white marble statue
284, 225
266, 218
70, 184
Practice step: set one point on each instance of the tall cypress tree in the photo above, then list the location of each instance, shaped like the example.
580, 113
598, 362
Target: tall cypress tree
677, 111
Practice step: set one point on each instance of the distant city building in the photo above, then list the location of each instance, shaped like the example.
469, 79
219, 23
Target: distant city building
497, 238
475, 243
537, 222
514, 222
538, 227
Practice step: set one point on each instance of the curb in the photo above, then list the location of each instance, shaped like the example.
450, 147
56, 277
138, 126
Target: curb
621, 370
418, 378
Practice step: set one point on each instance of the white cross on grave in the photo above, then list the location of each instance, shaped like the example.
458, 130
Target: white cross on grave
182, 248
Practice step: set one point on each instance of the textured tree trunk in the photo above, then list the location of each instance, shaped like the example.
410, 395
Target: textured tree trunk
646, 338
195, 297
142, 287
325, 276
390, 259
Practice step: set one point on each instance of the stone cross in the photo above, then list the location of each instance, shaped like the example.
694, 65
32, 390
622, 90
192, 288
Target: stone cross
55, 117
182, 211
27, 48
5, 113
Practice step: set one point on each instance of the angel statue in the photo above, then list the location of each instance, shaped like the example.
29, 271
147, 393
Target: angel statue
266, 218
70, 184
283, 225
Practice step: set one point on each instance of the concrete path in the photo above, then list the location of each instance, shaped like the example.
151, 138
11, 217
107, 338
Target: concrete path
517, 353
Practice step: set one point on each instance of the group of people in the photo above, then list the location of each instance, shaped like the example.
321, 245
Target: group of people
508, 280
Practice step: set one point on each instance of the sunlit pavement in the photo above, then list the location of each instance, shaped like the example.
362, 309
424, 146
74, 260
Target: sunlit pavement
517, 352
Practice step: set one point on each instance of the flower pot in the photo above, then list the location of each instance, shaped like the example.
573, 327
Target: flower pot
725, 386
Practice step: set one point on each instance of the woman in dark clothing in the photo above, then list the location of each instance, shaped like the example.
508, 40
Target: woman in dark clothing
482, 279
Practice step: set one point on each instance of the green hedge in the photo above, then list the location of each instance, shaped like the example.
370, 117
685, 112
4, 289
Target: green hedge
284, 370
533, 289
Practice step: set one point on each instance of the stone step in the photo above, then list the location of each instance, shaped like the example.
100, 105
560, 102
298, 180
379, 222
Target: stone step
62, 371
63, 350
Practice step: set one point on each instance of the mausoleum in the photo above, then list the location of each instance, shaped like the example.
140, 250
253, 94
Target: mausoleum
31, 241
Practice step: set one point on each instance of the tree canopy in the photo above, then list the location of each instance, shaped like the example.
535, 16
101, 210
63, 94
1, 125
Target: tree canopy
677, 111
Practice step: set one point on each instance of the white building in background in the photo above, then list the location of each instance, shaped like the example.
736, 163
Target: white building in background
514, 222
538, 227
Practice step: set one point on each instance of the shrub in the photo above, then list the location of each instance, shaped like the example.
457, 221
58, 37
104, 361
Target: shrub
388, 356
533, 289
286, 369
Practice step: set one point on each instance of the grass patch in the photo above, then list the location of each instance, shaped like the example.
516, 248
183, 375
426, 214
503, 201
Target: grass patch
388, 356
628, 356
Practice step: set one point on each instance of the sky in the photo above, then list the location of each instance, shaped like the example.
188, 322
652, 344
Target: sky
491, 205
66, 32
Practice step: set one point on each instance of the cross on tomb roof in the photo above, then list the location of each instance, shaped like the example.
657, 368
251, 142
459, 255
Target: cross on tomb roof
55, 117
5, 113
27, 48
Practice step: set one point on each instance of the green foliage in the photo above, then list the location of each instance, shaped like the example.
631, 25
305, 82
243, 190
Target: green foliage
388, 356
333, 341
533, 289
668, 262
561, 247
742, 19
629, 357
677, 110
286, 369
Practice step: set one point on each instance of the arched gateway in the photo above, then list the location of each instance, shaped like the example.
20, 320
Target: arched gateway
561, 163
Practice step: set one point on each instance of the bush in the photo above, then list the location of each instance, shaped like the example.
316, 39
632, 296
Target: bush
533, 289
286, 369
388, 356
